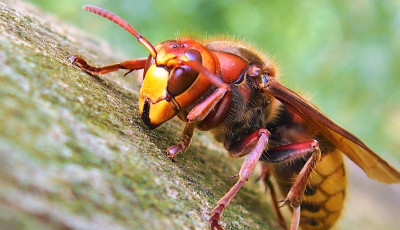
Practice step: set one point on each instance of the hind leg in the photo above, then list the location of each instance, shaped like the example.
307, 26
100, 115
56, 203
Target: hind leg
290, 152
265, 177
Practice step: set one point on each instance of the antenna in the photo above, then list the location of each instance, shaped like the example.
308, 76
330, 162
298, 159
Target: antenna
121, 22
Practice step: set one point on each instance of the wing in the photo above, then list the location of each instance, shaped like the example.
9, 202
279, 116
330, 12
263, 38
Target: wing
374, 166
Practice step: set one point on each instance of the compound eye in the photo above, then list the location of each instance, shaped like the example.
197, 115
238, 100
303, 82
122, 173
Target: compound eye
180, 79
193, 55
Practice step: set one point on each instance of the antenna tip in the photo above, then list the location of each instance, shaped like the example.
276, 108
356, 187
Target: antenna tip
86, 7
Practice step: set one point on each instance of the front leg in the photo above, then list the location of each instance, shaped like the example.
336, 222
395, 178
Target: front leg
185, 141
257, 143
197, 114
129, 65
201, 110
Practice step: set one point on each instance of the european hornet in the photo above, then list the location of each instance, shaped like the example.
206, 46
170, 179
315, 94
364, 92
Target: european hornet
233, 91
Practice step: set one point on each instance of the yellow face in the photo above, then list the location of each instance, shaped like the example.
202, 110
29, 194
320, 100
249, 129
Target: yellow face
168, 84
154, 87
153, 107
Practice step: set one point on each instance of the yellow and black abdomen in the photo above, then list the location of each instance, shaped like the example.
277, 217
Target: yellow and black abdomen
322, 202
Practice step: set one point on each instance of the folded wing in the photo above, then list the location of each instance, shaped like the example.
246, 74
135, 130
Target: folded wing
373, 165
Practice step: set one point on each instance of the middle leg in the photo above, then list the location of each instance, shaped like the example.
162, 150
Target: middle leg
255, 144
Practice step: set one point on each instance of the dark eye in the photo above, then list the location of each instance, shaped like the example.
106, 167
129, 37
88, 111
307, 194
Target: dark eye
193, 55
180, 79
175, 46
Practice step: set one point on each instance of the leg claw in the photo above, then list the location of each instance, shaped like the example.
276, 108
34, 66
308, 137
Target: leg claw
72, 58
174, 150
215, 226
216, 215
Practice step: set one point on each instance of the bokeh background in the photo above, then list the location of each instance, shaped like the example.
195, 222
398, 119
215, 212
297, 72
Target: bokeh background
344, 55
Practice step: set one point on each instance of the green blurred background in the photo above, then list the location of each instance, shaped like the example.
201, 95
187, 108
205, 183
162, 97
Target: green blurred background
345, 55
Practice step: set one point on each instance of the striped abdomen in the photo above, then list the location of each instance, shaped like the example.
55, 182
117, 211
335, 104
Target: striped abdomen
322, 202
323, 199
